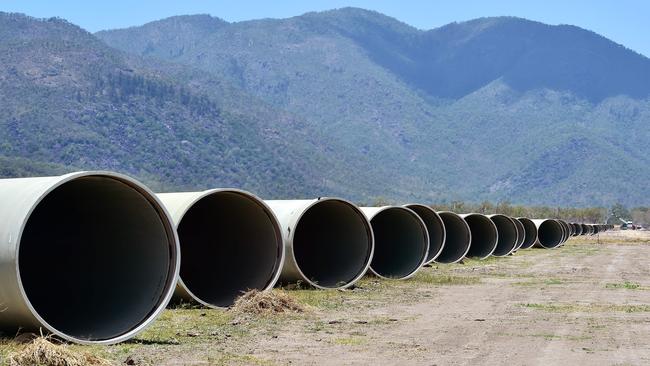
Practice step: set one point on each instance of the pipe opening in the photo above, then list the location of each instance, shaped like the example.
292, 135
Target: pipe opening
585, 229
521, 233
484, 236
230, 243
550, 234
400, 243
458, 238
332, 243
96, 258
531, 232
435, 228
507, 235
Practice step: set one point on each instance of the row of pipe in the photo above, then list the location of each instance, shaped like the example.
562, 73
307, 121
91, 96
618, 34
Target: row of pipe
94, 257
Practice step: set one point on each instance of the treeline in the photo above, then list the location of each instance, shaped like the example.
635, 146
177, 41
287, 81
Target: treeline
121, 85
571, 214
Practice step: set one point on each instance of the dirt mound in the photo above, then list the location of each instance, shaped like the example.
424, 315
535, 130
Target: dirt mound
267, 302
42, 352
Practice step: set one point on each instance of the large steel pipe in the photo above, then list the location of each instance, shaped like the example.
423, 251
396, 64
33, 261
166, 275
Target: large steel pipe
459, 238
585, 229
550, 233
521, 233
401, 241
91, 257
507, 230
328, 242
531, 232
435, 229
484, 235
230, 242
578, 229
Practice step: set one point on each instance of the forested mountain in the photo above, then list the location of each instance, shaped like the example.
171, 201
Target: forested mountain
345, 102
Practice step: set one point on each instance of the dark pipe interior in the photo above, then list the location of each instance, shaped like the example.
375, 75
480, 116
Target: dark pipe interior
521, 232
435, 228
531, 232
94, 258
585, 229
400, 243
458, 239
332, 243
230, 243
507, 235
550, 234
484, 236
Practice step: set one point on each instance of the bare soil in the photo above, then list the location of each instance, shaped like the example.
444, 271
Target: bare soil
581, 304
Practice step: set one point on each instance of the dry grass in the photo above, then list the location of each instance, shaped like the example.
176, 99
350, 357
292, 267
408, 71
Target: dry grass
267, 302
42, 352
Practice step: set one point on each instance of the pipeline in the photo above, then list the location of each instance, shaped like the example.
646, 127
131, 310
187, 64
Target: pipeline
459, 238
507, 230
435, 229
328, 241
91, 257
550, 233
531, 232
230, 242
401, 241
484, 235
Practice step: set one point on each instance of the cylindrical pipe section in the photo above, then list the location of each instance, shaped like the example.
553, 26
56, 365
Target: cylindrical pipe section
531, 232
459, 238
521, 233
566, 229
585, 229
507, 230
328, 241
231, 242
91, 257
578, 229
484, 235
401, 241
435, 229
550, 233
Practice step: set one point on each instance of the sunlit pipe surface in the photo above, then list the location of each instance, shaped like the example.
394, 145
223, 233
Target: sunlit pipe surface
230, 242
435, 229
91, 257
531, 232
550, 233
401, 241
459, 238
507, 230
484, 235
328, 241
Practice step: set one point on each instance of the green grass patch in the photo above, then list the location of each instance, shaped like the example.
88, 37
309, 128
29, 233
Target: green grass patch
587, 308
349, 341
625, 285
433, 278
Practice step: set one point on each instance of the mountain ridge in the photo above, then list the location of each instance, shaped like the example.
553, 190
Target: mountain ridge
348, 102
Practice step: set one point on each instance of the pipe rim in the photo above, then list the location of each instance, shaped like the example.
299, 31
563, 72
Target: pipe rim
496, 231
512, 221
521, 233
442, 225
526, 221
369, 232
469, 235
426, 237
267, 210
171, 234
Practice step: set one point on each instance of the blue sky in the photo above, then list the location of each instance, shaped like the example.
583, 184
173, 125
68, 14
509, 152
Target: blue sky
624, 21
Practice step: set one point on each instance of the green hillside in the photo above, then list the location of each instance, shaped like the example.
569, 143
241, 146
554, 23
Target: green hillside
484, 109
